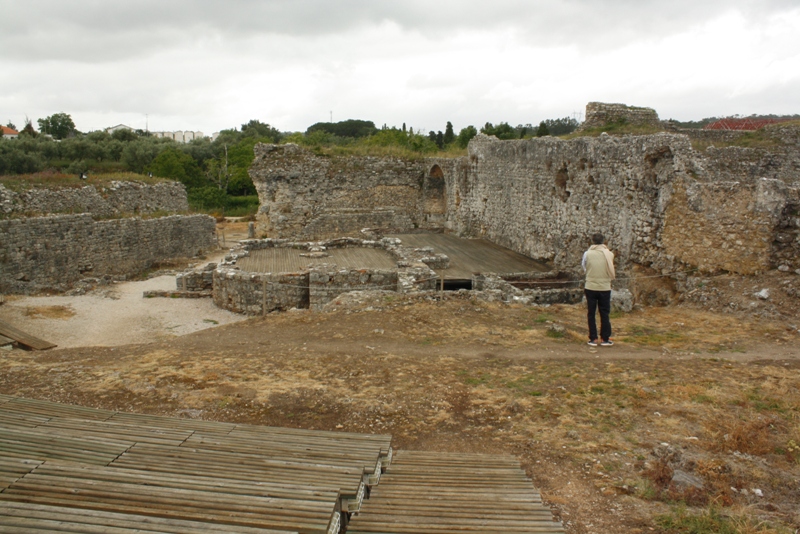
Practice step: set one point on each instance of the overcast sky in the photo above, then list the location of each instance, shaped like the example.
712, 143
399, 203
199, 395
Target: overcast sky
208, 65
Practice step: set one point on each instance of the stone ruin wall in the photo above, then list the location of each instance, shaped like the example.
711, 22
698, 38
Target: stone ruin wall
119, 198
52, 253
306, 196
660, 204
544, 197
600, 113
55, 248
320, 283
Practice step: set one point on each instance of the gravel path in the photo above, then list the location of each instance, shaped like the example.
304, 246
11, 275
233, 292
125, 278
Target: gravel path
113, 316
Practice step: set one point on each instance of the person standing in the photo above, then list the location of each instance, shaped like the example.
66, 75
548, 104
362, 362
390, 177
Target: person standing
598, 264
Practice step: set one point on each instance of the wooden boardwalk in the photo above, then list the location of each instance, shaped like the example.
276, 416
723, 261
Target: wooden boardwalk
425, 493
9, 332
74, 469
469, 256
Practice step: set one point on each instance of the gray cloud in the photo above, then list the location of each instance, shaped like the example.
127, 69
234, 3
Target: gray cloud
95, 30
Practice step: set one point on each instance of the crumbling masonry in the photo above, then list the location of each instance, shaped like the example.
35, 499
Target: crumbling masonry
661, 204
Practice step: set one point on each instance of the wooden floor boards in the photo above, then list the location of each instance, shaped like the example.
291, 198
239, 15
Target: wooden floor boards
75, 469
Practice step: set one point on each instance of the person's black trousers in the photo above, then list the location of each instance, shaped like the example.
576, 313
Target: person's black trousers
599, 300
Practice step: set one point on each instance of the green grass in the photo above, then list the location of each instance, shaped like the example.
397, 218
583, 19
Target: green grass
621, 127
712, 521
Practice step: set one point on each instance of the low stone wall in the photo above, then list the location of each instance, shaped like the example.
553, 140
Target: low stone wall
261, 293
196, 280
119, 198
52, 253
326, 285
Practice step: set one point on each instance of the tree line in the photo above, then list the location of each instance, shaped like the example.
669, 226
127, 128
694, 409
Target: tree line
215, 173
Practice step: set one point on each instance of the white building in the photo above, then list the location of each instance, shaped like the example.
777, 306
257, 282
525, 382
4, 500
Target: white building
9, 133
118, 127
179, 135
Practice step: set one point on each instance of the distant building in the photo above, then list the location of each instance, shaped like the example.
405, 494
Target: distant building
179, 136
747, 123
118, 127
9, 133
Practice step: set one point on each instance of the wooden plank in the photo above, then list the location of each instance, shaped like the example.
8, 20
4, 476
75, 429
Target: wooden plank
245, 467
173, 423
5, 341
251, 519
451, 493
114, 431
23, 338
34, 445
53, 409
212, 483
27, 517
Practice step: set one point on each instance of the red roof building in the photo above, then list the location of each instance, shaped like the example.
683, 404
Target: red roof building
741, 124
9, 133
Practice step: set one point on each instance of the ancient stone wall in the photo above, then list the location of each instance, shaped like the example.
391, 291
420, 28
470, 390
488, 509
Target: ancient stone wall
308, 196
119, 198
600, 114
545, 197
38, 253
320, 283
260, 293
659, 203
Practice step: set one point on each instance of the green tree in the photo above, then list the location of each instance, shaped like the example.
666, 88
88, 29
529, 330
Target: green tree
28, 129
258, 129
124, 135
11, 125
501, 131
349, 128
449, 134
59, 125
465, 135
173, 163
561, 126
542, 130
15, 160
139, 154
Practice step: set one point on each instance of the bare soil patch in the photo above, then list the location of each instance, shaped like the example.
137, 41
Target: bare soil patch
604, 432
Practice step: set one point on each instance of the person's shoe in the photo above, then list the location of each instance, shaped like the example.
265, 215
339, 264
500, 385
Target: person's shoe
607, 343
592, 342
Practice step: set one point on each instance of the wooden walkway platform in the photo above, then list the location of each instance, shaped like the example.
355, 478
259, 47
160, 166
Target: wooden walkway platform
74, 469
469, 256
424, 492
8, 331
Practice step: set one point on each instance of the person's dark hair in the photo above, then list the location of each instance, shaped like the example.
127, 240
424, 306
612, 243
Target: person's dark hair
598, 238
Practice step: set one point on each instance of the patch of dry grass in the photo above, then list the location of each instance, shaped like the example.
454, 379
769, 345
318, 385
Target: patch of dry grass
49, 312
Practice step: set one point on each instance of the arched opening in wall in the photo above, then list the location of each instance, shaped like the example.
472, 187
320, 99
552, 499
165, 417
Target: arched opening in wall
434, 200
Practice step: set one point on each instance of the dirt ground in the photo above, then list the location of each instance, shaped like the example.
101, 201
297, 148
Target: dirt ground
691, 412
